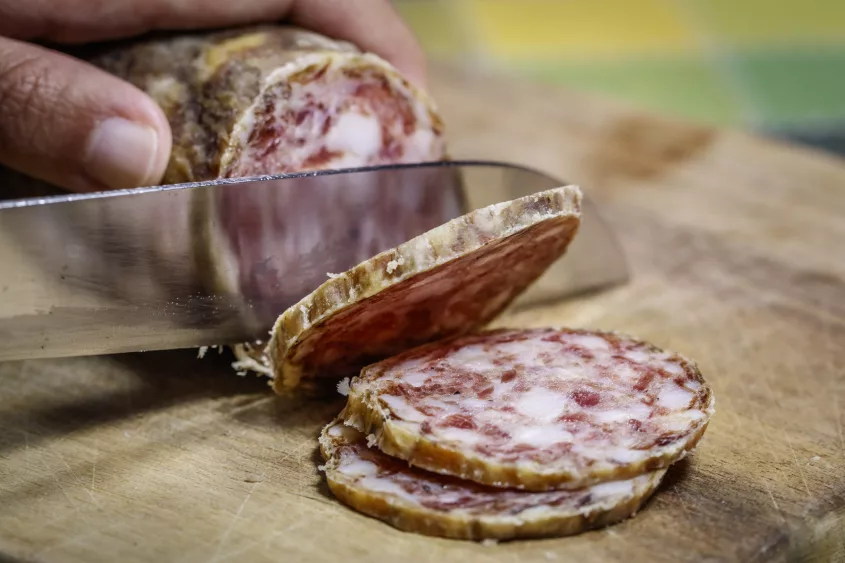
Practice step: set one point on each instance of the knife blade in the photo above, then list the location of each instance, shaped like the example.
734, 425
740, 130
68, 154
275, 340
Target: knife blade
216, 262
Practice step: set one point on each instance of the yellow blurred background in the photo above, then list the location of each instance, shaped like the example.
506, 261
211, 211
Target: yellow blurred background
777, 66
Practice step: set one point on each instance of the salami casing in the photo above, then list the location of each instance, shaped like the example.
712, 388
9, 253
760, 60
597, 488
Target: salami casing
447, 281
534, 409
418, 501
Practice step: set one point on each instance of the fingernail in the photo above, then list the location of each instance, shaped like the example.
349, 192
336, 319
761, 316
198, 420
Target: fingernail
121, 154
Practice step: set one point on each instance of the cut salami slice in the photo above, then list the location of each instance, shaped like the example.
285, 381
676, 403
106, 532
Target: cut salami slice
414, 500
448, 281
534, 409
287, 240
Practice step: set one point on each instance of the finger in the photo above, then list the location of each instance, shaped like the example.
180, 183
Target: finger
77, 21
76, 126
372, 25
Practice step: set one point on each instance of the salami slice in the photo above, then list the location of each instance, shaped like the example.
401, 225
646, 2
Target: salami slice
272, 99
534, 409
414, 500
287, 241
448, 281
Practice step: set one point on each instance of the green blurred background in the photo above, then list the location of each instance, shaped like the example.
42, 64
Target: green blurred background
774, 66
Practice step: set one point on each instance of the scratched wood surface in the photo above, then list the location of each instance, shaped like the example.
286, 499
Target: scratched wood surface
737, 247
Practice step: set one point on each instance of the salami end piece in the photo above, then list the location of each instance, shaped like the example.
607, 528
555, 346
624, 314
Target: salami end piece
534, 409
414, 500
271, 99
445, 282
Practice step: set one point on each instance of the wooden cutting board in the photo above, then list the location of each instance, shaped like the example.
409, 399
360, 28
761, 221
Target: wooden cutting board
738, 253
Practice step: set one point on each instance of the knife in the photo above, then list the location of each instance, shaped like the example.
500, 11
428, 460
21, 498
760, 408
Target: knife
216, 262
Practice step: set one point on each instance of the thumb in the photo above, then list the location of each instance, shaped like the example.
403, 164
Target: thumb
76, 126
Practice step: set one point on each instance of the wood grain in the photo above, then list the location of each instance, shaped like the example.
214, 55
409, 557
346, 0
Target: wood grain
736, 246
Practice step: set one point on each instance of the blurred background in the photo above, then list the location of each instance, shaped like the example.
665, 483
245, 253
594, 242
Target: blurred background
773, 66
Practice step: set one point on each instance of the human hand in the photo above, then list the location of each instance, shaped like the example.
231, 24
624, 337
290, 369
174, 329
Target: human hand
66, 122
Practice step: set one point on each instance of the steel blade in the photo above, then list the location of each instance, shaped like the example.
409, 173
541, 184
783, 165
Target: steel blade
216, 262
595, 259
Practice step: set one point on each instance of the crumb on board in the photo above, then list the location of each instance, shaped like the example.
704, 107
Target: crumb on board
247, 361
203, 350
489, 542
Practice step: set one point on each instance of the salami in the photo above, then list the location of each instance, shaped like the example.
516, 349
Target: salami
445, 282
275, 99
272, 99
534, 409
414, 500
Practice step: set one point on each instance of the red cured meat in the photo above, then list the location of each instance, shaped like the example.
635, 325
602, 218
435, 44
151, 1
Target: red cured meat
552, 416
415, 500
450, 280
